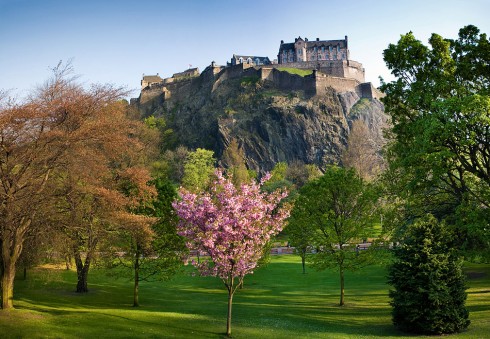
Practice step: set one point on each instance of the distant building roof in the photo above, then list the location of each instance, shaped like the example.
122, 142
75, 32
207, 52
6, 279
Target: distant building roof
187, 72
152, 78
255, 59
342, 43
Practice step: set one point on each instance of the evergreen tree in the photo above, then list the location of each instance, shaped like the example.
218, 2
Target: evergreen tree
429, 286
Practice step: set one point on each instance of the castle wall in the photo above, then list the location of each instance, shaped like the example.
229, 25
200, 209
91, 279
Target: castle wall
337, 83
211, 72
233, 72
342, 76
149, 94
292, 82
266, 73
367, 90
187, 73
336, 68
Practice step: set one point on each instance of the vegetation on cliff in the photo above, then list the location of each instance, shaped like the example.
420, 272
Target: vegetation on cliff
269, 124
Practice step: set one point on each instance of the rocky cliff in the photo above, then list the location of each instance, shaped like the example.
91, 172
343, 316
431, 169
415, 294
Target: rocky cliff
271, 124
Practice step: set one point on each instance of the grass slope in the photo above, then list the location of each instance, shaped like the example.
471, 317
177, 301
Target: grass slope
297, 71
278, 301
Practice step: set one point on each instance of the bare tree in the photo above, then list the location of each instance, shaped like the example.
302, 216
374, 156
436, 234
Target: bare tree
362, 152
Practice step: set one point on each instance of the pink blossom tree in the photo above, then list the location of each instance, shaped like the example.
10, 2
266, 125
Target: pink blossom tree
232, 225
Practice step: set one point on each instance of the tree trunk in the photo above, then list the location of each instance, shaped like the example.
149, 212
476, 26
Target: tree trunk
68, 262
25, 273
341, 286
11, 248
82, 271
303, 259
228, 319
82, 282
8, 286
136, 280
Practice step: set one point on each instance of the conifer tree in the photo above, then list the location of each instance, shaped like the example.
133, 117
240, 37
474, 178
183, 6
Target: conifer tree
429, 286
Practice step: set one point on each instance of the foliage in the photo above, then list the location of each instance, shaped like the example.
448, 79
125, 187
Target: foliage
168, 245
334, 213
249, 81
89, 208
171, 164
440, 110
298, 173
65, 152
360, 106
429, 295
301, 234
167, 135
198, 169
152, 253
291, 176
232, 225
278, 173
234, 160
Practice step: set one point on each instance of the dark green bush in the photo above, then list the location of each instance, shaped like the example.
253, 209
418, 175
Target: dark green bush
429, 286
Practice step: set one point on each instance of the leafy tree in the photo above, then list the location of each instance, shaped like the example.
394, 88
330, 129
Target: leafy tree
29, 150
167, 135
301, 234
154, 252
232, 225
34, 140
440, 107
198, 169
234, 160
278, 173
334, 213
171, 164
297, 173
57, 136
92, 206
429, 285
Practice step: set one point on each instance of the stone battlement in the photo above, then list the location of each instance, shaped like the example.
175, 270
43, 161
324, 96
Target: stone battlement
332, 75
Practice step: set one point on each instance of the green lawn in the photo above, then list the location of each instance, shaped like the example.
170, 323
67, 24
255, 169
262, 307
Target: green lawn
297, 71
278, 301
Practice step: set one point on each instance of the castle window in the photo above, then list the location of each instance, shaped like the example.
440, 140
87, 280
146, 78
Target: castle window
330, 49
323, 49
240, 60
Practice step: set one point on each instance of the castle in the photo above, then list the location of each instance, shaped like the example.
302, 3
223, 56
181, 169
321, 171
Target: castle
303, 50
329, 61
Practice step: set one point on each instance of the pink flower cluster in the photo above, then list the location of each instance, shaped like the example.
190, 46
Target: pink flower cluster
232, 225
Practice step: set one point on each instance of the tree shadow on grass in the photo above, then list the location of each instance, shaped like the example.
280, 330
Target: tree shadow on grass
99, 322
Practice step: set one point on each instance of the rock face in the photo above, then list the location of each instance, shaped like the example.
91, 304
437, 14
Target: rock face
271, 124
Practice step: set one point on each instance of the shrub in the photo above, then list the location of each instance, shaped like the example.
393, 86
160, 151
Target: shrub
429, 286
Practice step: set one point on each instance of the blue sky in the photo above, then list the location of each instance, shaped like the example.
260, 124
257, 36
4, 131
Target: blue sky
117, 41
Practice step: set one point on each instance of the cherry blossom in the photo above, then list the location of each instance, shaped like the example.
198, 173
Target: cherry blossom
232, 225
